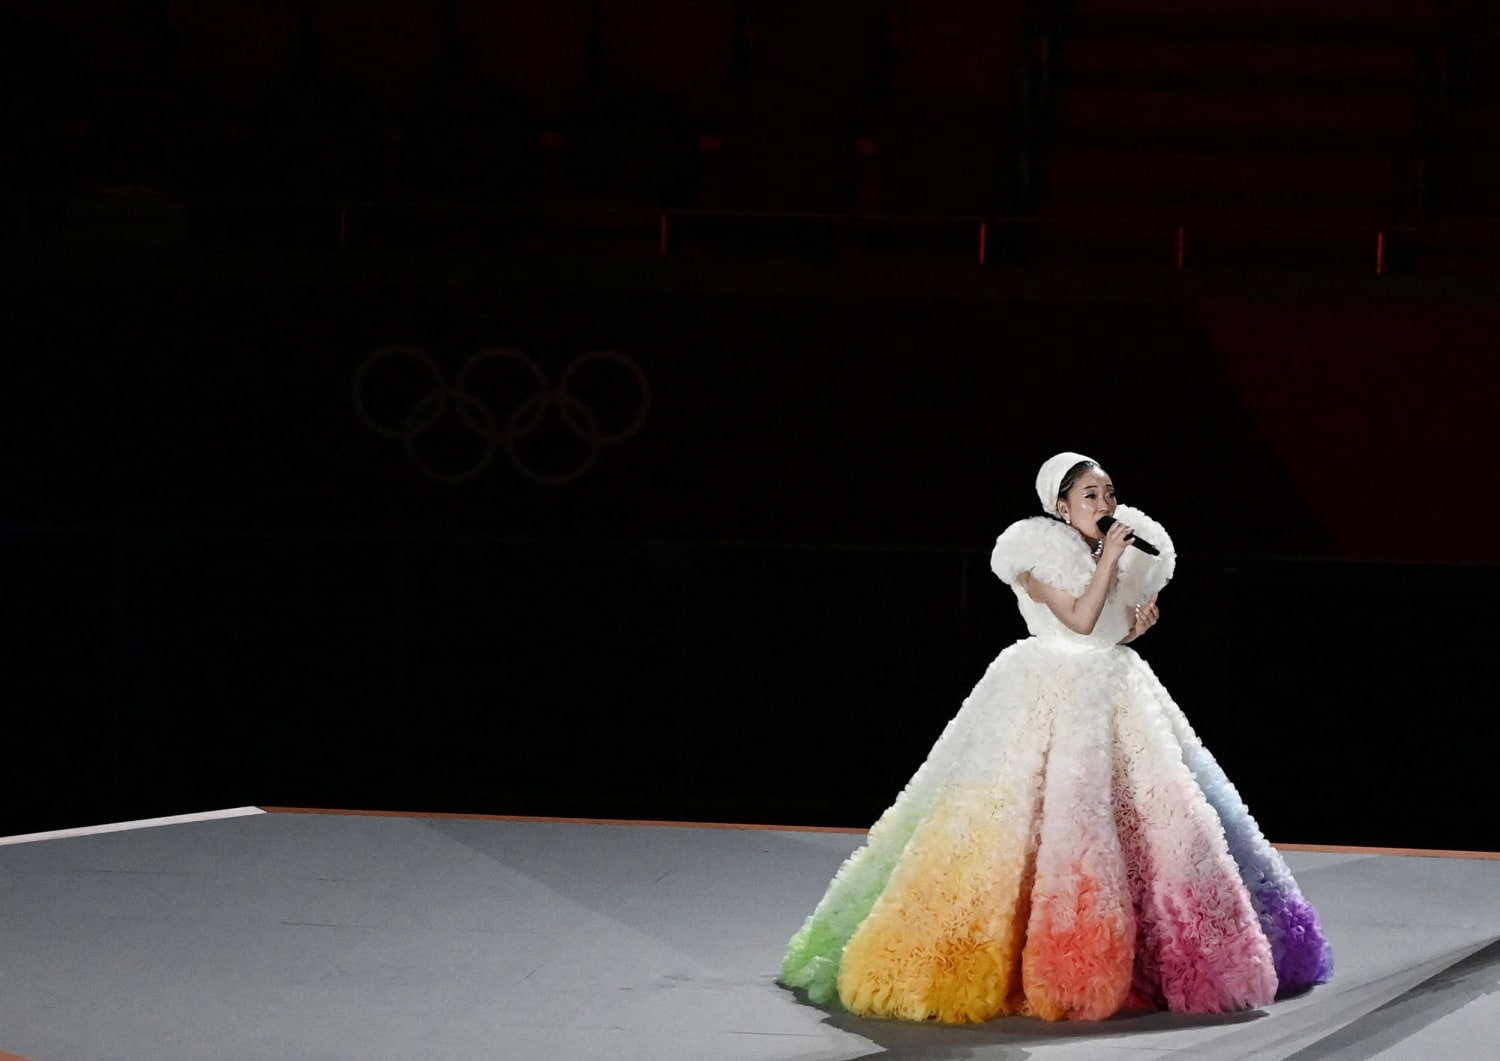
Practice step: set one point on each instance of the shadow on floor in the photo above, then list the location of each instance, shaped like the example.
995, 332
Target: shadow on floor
1007, 1038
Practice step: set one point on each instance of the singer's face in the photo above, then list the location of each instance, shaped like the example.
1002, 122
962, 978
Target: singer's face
1092, 496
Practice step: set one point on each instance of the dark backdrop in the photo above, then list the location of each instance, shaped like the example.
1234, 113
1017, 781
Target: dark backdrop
224, 586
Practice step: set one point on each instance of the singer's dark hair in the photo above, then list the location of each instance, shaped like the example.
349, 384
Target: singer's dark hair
1072, 477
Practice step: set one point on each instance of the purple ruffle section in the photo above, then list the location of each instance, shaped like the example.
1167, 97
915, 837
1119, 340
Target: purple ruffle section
1299, 948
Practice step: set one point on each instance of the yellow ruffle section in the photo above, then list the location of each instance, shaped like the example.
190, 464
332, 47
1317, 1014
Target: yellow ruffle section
944, 939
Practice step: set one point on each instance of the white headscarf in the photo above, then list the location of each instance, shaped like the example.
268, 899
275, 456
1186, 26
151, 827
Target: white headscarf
1049, 479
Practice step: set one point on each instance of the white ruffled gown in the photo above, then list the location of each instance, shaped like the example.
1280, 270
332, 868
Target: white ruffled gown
1069, 848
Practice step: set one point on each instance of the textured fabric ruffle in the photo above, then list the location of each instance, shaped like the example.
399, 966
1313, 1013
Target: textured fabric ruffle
1068, 849
1299, 948
1056, 554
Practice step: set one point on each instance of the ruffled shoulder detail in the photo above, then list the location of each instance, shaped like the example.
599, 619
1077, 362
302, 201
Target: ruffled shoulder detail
1051, 551
1142, 574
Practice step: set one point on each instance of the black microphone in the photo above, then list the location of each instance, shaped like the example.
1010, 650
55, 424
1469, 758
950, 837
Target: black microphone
1106, 522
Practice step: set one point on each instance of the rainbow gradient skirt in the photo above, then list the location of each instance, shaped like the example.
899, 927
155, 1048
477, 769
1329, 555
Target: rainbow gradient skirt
1068, 850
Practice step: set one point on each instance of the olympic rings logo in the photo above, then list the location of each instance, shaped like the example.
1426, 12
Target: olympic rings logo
501, 400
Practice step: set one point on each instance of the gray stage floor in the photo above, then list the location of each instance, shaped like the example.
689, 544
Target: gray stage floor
255, 936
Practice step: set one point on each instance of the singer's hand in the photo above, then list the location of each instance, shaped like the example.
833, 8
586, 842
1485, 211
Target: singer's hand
1145, 617
1115, 541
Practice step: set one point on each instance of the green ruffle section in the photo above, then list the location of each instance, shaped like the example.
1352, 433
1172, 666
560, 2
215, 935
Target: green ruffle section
814, 953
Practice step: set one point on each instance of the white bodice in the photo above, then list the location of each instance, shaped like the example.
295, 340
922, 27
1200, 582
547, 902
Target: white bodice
1058, 555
